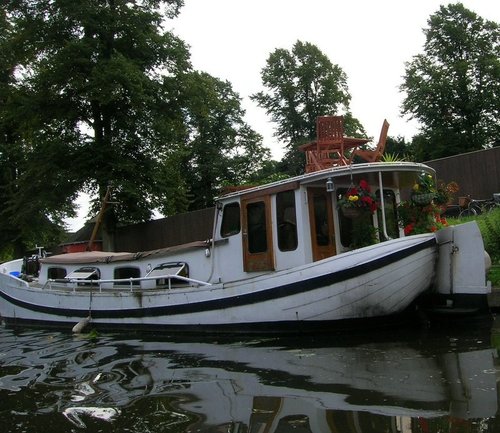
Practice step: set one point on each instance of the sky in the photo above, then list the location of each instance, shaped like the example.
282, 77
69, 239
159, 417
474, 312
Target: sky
370, 40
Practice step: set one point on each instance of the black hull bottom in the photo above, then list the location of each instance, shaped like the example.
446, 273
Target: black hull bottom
339, 327
425, 312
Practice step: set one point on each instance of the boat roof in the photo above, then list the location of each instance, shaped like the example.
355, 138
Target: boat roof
335, 172
92, 257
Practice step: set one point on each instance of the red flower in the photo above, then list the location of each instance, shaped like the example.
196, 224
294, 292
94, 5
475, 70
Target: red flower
408, 229
363, 184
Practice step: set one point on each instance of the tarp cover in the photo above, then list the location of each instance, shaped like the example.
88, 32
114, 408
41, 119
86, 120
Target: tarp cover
107, 257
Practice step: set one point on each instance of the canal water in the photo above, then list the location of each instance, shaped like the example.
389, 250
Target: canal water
425, 380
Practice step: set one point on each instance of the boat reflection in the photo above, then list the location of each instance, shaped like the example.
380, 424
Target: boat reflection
266, 385
275, 388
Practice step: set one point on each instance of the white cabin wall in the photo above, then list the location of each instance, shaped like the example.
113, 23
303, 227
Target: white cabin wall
301, 255
227, 254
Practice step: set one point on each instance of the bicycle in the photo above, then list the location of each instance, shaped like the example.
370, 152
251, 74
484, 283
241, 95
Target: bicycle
474, 207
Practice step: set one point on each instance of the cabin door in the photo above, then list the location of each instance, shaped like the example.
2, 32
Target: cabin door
321, 223
258, 252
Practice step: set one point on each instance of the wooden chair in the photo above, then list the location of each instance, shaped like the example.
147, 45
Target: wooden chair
330, 141
375, 155
328, 148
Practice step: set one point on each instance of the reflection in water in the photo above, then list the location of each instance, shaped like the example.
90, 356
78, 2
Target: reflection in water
442, 382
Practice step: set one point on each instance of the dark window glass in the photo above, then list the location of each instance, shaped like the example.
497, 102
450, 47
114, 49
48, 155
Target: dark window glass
321, 220
56, 273
230, 220
257, 234
287, 221
125, 272
391, 217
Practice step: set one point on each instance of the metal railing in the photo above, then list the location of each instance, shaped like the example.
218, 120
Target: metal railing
75, 283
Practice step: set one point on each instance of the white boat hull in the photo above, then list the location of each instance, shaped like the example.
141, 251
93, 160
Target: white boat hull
376, 281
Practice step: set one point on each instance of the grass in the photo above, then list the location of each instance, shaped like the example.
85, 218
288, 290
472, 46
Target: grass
494, 276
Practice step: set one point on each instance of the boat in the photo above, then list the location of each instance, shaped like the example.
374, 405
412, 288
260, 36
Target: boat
282, 257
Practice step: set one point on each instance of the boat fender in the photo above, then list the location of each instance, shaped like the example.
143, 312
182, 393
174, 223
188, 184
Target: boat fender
80, 326
487, 261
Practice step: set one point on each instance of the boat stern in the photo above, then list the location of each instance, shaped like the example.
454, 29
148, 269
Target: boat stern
460, 283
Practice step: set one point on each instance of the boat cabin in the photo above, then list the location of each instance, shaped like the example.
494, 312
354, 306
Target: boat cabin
258, 230
299, 220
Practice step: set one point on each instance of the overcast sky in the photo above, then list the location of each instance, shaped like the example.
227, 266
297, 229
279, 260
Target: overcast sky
370, 40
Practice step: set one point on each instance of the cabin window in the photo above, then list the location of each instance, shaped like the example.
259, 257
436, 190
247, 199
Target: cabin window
171, 269
257, 229
230, 220
84, 275
55, 273
125, 273
391, 216
348, 235
287, 220
320, 204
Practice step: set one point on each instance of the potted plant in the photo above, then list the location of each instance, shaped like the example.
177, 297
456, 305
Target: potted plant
358, 200
444, 192
424, 190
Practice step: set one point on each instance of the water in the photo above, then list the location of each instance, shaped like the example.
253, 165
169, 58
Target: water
425, 381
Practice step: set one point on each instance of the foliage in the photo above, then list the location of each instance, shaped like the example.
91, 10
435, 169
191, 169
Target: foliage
416, 219
445, 192
489, 225
425, 184
494, 276
301, 85
392, 157
222, 149
440, 192
363, 233
94, 94
452, 88
398, 146
359, 197
91, 107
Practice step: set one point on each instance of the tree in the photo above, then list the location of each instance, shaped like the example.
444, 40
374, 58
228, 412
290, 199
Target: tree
96, 104
101, 95
399, 148
33, 219
453, 88
301, 85
221, 149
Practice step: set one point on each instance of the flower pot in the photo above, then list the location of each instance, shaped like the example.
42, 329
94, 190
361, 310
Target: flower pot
352, 212
422, 199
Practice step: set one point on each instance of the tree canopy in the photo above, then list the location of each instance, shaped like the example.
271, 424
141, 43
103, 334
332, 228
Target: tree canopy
302, 84
221, 148
98, 93
453, 88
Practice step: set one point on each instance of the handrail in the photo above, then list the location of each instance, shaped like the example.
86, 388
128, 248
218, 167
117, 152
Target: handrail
130, 280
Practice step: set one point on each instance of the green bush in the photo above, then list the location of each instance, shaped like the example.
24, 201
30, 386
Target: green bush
489, 225
494, 276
